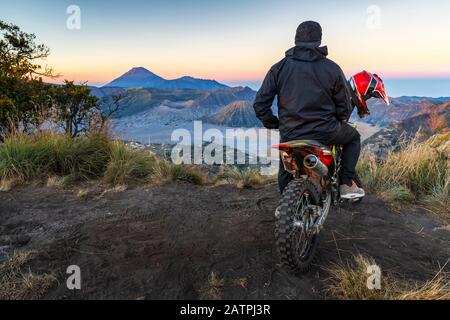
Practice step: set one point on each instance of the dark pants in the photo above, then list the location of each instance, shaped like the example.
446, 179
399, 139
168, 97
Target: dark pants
351, 139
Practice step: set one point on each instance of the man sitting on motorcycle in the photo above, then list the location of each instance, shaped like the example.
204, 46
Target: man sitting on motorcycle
315, 101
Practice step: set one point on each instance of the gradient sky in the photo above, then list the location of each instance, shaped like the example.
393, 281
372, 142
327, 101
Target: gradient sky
233, 40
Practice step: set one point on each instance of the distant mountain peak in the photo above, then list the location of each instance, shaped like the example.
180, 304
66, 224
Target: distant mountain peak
139, 71
240, 104
237, 114
140, 77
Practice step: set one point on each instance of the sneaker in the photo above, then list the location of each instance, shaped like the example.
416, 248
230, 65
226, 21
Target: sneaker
352, 192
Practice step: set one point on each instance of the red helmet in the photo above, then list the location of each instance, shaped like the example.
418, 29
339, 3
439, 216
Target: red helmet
364, 86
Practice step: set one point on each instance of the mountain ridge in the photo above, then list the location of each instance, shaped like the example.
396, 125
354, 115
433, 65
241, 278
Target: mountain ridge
422, 125
140, 77
236, 114
400, 109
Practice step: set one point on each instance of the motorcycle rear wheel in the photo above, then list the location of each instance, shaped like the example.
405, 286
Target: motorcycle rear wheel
297, 252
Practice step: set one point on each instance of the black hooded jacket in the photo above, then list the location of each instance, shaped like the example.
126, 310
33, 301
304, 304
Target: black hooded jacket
312, 95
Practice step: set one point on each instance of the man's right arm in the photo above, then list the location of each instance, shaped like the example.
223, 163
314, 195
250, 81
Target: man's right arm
264, 100
341, 97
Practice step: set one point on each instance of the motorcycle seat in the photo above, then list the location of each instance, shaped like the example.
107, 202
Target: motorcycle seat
306, 143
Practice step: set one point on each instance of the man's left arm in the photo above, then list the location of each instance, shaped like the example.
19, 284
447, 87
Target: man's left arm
264, 100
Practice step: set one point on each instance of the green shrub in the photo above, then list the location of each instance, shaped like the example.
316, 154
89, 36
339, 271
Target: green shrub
187, 174
27, 157
22, 158
128, 166
63, 160
83, 157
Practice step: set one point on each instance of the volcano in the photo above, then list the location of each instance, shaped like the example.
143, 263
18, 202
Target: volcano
142, 78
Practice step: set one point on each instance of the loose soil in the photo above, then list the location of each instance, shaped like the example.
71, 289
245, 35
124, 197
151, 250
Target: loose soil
165, 242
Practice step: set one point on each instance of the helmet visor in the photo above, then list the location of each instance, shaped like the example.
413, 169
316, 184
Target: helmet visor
376, 89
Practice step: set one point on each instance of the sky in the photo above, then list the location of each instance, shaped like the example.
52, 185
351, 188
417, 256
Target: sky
234, 41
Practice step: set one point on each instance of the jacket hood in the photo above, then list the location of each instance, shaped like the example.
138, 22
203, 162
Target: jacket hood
308, 31
308, 51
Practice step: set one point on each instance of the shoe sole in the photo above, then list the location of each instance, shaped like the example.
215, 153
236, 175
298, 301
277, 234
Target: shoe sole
352, 196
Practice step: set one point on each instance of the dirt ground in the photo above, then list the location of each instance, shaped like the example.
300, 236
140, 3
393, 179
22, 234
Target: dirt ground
165, 242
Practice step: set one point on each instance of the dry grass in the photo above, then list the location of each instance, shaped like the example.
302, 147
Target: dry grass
435, 289
7, 185
116, 189
396, 193
241, 283
214, 287
18, 285
82, 193
349, 282
420, 172
438, 200
245, 178
60, 182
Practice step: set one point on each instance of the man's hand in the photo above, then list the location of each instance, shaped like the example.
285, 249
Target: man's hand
272, 123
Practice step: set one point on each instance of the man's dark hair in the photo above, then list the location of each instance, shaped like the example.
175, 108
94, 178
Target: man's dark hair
308, 31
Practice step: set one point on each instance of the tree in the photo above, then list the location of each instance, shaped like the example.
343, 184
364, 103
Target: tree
78, 112
26, 102
74, 107
108, 106
23, 95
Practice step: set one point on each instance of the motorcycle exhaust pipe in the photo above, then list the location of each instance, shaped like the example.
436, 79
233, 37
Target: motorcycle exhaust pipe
314, 164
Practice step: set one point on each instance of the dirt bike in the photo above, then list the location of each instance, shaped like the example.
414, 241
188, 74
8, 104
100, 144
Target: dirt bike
306, 201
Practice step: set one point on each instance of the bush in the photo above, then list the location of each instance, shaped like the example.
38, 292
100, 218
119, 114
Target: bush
128, 166
63, 160
22, 158
25, 157
83, 157
245, 178
187, 174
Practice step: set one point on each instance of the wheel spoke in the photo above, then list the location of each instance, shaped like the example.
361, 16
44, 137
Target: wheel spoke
302, 235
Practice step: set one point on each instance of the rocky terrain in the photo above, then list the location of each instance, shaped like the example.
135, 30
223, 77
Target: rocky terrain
236, 114
399, 109
173, 105
150, 112
425, 123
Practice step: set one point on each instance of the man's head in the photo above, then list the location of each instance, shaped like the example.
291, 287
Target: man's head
309, 32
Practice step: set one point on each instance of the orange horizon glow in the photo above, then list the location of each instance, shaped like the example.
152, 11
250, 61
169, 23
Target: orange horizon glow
104, 77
